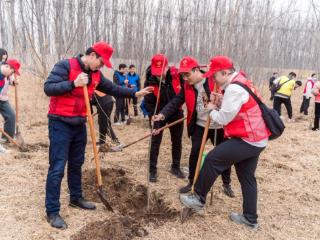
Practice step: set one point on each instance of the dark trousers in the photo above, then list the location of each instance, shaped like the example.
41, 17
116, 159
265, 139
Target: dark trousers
120, 110
105, 128
245, 159
67, 145
135, 107
196, 139
316, 115
287, 103
9, 117
305, 105
176, 132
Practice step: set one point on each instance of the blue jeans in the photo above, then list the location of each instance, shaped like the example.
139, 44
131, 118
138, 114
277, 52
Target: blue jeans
67, 144
9, 118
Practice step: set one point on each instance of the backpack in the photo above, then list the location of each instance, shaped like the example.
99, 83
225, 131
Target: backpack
276, 87
270, 116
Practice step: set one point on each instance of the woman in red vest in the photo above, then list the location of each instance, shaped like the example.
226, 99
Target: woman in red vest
247, 137
316, 93
307, 94
163, 92
67, 118
195, 93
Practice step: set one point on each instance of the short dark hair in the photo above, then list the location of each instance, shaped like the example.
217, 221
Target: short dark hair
313, 74
91, 50
293, 74
3, 52
132, 66
275, 73
122, 65
299, 83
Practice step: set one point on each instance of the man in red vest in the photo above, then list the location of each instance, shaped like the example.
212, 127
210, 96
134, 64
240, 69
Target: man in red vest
67, 118
247, 136
166, 84
195, 93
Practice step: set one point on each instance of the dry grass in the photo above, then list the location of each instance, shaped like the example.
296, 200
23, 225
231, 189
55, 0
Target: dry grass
287, 175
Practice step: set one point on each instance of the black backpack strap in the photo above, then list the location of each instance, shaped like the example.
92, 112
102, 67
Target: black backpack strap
250, 92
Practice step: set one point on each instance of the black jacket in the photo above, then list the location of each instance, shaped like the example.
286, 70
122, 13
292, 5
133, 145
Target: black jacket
167, 93
58, 84
179, 100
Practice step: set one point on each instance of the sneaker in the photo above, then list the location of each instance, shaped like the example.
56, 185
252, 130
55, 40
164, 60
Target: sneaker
192, 201
117, 123
56, 221
153, 177
240, 219
228, 190
2, 149
291, 120
82, 203
315, 129
177, 172
282, 117
186, 189
123, 122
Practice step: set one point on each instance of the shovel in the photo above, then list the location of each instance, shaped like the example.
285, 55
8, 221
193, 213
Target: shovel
95, 151
121, 147
18, 136
21, 147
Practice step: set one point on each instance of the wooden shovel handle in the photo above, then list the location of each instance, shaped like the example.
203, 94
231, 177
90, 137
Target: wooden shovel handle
93, 136
10, 138
16, 103
203, 144
160, 129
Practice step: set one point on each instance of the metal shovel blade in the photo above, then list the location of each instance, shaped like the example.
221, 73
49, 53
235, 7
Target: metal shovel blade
104, 199
185, 213
19, 139
129, 121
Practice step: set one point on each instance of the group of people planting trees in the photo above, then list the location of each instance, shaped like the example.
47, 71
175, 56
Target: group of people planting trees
218, 102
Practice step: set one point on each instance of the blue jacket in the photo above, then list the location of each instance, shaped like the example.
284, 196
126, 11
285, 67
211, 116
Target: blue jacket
134, 81
119, 78
58, 83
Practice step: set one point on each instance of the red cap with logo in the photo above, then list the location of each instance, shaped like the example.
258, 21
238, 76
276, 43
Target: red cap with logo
159, 62
217, 64
105, 51
15, 64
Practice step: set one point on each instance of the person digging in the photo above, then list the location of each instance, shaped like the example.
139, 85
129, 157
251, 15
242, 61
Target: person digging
67, 117
194, 92
247, 134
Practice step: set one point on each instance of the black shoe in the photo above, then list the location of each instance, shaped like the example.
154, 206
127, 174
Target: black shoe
153, 177
178, 173
228, 190
240, 219
83, 204
56, 221
186, 189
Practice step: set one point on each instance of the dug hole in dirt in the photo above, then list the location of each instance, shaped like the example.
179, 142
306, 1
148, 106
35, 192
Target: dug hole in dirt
130, 200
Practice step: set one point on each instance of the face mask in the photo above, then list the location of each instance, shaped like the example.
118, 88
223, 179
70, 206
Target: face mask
314, 79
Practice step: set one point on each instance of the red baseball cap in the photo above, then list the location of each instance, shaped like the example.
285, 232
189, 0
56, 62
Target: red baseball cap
159, 62
105, 51
217, 64
15, 64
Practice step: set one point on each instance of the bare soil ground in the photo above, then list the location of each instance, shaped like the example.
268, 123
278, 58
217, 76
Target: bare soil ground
288, 177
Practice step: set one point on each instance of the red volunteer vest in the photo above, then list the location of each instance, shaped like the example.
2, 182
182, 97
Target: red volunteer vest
190, 97
248, 123
305, 86
72, 104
